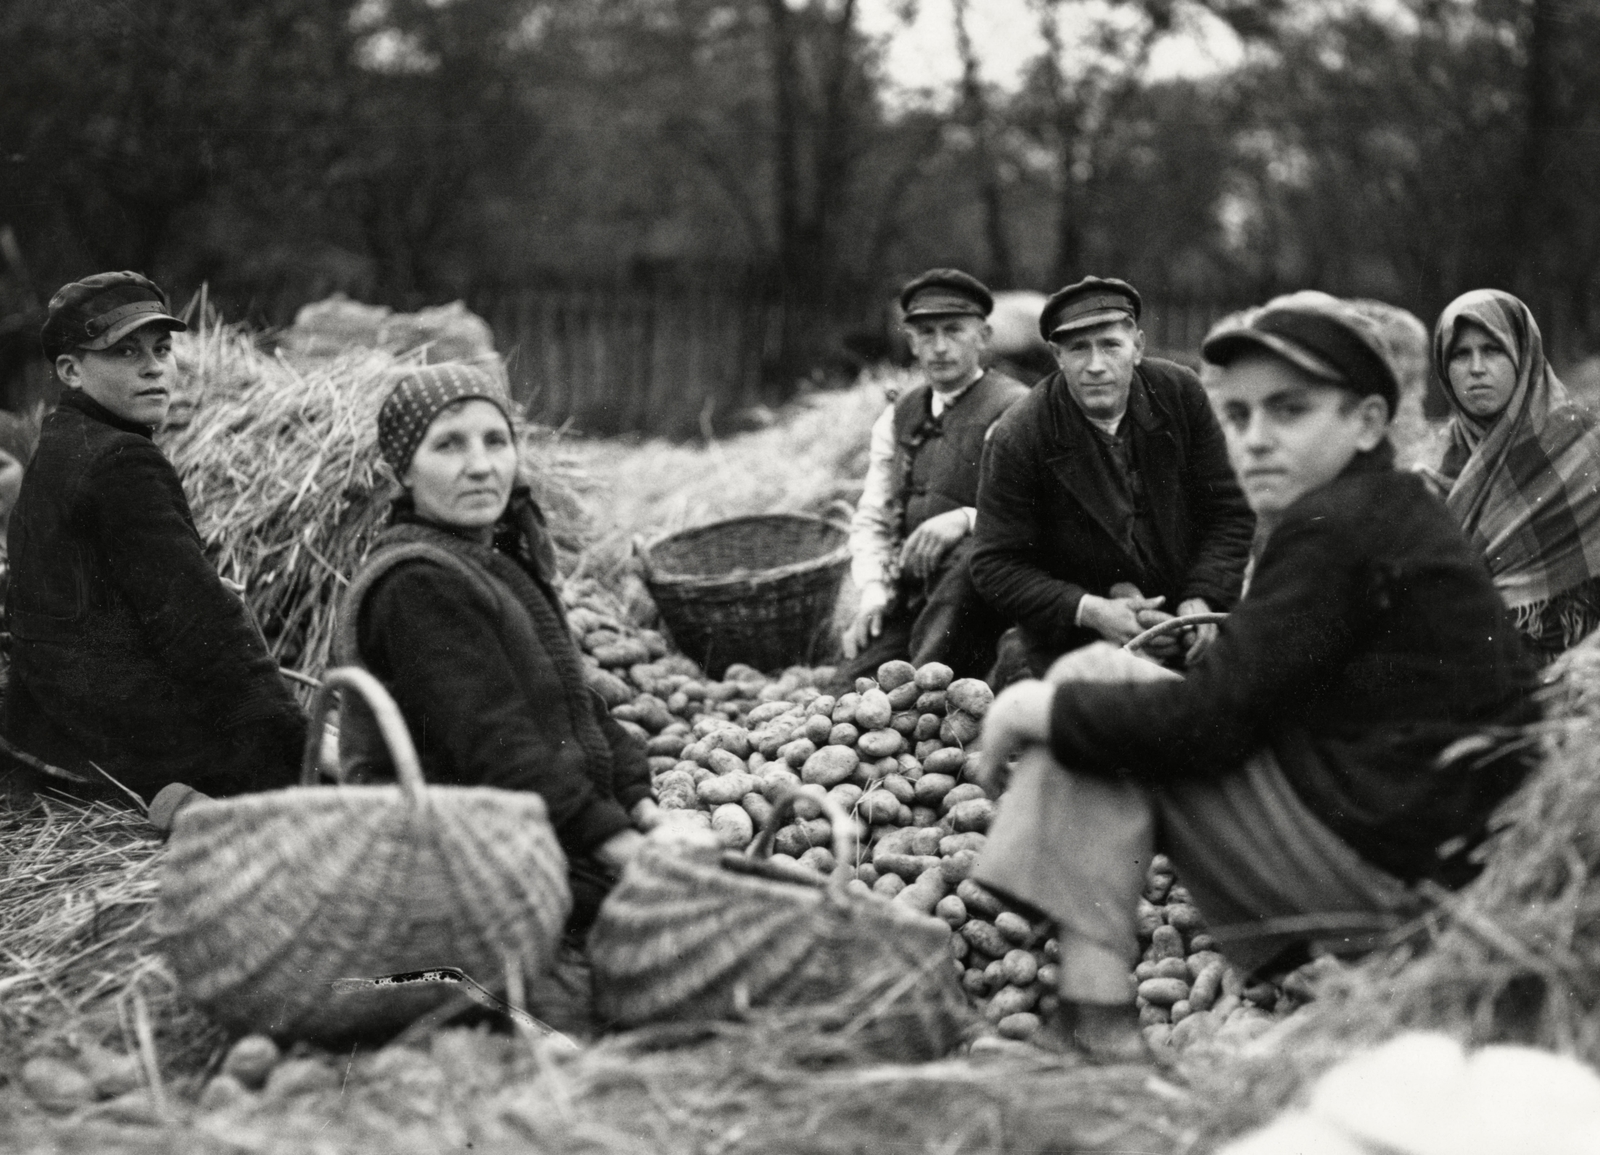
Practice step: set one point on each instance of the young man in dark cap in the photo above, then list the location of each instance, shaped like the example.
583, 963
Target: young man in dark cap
1299, 776
127, 650
1106, 502
911, 535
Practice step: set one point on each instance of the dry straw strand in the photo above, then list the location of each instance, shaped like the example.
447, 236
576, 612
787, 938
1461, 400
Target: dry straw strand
281, 467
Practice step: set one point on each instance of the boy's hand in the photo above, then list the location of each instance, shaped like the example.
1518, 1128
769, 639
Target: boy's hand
868, 622
931, 540
646, 814
1201, 637
618, 850
1018, 718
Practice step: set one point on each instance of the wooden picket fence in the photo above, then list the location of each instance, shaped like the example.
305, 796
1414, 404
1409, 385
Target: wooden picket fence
675, 358
1174, 327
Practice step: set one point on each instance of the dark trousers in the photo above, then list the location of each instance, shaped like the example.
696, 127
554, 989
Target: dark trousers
947, 621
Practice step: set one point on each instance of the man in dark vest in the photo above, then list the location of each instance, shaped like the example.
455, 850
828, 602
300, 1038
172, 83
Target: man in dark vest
1107, 502
912, 533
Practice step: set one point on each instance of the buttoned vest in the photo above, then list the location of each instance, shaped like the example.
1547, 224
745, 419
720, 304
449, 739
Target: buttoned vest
937, 459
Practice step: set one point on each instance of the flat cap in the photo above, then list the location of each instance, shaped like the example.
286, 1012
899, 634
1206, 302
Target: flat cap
1326, 338
945, 293
98, 311
1091, 301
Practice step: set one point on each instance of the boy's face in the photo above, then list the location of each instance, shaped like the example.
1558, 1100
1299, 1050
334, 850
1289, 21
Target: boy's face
1288, 433
130, 378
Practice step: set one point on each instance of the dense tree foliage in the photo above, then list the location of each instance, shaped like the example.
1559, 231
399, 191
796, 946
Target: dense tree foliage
412, 150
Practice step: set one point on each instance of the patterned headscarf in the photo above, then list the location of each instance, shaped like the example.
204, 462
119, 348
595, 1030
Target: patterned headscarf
418, 394
1526, 486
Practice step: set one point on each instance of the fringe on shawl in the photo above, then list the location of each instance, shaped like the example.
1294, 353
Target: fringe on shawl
1557, 624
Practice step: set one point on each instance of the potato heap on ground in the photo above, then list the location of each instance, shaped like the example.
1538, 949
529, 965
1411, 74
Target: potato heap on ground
896, 753
652, 691
1187, 992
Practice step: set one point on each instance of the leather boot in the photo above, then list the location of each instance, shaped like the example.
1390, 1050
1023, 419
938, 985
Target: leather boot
1106, 1034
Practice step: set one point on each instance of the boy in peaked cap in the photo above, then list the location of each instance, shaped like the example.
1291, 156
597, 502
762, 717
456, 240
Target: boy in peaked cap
128, 652
912, 531
1296, 776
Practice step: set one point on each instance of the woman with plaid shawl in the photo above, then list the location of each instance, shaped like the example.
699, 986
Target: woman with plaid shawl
1522, 467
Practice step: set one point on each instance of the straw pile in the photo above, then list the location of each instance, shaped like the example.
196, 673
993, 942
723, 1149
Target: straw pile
281, 468
727, 1089
76, 963
813, 459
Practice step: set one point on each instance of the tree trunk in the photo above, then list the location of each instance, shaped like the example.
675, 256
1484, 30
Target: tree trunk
975, 113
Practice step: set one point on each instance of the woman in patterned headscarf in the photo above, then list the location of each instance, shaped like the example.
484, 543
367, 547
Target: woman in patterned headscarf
1523, 467
457, 614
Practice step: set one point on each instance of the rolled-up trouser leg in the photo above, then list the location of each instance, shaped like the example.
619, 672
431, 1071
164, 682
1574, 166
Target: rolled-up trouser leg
1075, 848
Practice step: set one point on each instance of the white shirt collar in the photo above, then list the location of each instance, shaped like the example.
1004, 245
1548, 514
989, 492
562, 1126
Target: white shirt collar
943, 401
1110, 426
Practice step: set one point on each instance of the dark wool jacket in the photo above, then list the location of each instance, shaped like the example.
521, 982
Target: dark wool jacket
473, 644
1370, 640
1044, 536
127, 650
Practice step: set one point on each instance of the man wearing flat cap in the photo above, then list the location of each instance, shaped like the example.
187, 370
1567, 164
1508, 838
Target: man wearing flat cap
1106, 503
912, 532
1309, 771
128, 653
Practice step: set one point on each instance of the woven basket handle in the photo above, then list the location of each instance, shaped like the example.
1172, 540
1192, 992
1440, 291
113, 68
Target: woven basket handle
842, 825
393, 727
1171, 626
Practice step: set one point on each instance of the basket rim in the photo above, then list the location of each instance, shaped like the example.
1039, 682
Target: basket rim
838, 556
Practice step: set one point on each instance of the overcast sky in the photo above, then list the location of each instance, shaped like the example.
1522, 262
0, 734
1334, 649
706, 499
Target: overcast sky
923, 55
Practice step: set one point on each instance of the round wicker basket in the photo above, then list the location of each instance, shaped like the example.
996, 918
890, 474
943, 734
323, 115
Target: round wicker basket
268, 899
758, 590
683, 938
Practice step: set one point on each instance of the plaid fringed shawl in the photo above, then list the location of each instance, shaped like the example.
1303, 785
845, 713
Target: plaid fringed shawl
1526, 486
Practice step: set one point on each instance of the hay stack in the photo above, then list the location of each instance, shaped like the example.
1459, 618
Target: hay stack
282, 470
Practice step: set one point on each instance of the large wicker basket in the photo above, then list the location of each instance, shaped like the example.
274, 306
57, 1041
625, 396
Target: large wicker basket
685, 937
758, 590
268, 900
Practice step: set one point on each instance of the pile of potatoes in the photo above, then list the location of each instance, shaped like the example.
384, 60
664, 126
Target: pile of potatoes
1187, 992
897, 753
894, 753
651, 690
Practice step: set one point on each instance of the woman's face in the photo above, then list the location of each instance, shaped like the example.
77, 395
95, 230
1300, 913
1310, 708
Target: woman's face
1482, 373
462, 473
10, 483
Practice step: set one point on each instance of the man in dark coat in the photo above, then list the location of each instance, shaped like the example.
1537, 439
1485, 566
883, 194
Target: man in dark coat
1106, 501
912, 533
127, 650
1311, 767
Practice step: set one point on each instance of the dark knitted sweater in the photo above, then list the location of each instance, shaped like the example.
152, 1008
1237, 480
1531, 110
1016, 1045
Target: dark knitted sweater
1370, 640
474, 647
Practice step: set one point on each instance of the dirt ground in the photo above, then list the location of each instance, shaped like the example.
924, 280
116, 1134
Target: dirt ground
722, 1093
